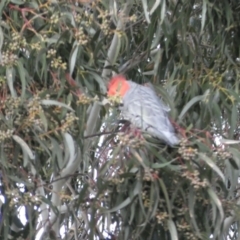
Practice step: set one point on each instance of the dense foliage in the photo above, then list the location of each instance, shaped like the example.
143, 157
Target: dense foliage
70, 167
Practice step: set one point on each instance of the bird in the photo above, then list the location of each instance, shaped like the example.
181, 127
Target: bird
141, 106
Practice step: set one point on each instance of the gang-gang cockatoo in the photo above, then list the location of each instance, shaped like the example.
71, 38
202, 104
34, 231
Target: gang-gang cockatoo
142, 107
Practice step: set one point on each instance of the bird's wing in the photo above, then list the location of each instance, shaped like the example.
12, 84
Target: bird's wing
143, 102
153, 93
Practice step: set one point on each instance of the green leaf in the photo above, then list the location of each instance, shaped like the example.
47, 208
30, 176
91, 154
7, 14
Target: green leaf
123, 204
236, 156
163, 10
172, 230
73, 57
24, 146
204, 13
22, 74
146, 13
192, 205
57, 153
2, 5
233, 121
162, 165
165, 192
10, 75
216, 201
189, 105
49, 102
212, 165
70, 147
18, 2
43, 120
155, 6
1, 42
100, 81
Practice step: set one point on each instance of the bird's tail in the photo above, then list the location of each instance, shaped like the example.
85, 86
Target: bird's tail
173, 140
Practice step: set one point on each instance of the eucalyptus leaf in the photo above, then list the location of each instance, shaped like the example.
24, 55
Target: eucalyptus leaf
24, 146
73, 57
49, 102
211, 163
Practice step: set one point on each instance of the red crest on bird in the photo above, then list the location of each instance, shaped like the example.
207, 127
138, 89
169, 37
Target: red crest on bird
118, 85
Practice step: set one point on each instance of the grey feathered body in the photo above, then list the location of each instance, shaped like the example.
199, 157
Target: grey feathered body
143, 108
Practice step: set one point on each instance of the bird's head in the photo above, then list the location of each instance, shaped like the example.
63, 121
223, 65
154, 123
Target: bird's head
118, 86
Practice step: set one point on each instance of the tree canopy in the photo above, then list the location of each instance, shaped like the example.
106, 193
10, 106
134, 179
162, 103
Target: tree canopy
68, 167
